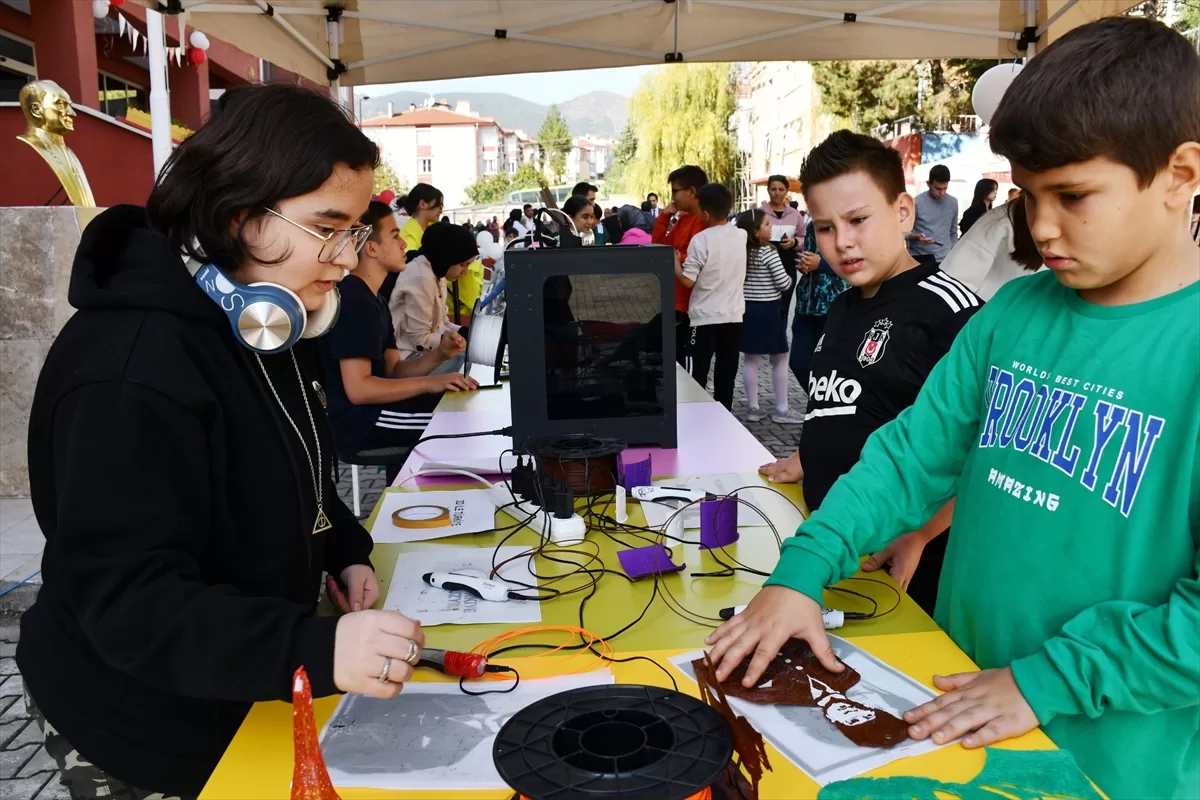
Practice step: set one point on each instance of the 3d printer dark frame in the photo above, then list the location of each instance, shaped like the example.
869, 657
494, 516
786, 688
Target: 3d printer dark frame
525, 273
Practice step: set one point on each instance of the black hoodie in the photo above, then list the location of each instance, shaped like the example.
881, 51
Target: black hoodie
180, 573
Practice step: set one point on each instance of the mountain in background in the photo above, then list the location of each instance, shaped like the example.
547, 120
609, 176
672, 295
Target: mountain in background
599, 113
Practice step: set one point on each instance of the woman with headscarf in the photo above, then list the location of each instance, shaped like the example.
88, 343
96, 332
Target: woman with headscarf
418, 301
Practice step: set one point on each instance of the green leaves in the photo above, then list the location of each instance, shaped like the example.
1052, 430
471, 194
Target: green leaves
679, 115
555, 139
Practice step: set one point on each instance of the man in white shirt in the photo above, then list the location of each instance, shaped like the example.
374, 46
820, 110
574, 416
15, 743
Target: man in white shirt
652, 199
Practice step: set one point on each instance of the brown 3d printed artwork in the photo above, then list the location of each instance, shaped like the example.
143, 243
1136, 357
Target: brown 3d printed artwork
310, 779
747, 742
795, 677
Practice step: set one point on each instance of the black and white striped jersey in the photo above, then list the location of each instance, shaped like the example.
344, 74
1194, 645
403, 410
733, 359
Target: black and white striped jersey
870, 363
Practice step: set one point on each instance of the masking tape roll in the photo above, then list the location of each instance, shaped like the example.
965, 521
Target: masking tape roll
440, 520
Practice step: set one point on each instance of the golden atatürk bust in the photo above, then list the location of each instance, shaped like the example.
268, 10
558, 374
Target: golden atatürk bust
48, 115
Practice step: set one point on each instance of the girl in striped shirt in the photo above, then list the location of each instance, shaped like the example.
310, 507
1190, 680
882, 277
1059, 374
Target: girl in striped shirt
764, 331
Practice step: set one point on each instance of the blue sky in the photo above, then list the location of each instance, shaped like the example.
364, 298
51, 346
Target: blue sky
538, 87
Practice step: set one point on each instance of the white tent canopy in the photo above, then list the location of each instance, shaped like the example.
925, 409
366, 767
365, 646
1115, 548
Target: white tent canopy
357, 42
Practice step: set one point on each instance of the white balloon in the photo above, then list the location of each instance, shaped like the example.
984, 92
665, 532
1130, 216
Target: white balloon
990, 87
482, 239
199, 40
99, 9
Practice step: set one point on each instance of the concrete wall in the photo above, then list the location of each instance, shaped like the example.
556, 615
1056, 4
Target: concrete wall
37, 247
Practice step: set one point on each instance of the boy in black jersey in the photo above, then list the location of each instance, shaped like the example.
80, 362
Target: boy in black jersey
881, 338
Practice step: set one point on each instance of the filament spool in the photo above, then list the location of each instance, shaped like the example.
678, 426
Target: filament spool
627, 741
588, 464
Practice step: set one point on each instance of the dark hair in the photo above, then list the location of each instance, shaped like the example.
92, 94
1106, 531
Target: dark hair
527, 205
400, 201
582, 188
445, 244
844, 152
780, 179
795, 204
1120, 87
575, 203
421, 192
715, 199
689, 177
1025, 250
228, 167
514, 215
652, 194
940, 173
646, 206
376, 213
750, 221
984, 187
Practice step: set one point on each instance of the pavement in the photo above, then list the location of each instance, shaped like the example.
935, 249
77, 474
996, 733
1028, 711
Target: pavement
26, 772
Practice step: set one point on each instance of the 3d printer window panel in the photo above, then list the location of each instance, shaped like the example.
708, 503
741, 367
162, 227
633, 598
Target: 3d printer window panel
604, 349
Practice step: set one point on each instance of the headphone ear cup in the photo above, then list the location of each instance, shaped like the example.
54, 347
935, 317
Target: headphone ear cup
324, 318
273, 319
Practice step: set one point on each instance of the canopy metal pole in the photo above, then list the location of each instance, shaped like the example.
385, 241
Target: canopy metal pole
160, 93
1031, 7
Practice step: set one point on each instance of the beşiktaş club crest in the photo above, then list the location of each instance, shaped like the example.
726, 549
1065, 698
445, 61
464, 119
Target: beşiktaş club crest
874, 343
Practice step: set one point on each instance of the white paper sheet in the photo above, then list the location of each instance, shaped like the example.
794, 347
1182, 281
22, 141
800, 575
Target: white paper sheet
657, 514
430, 737
414, 598
468, 511
807, 739
780, 231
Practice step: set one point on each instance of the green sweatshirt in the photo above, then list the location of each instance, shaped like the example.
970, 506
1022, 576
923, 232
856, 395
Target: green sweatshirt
1068, 432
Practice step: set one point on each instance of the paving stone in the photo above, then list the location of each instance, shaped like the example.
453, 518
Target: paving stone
40, 764
25, 788
8, 649
16, 710
54, 790
30, 734
13, 686
11, 761
10, 729
10, 629
8, 666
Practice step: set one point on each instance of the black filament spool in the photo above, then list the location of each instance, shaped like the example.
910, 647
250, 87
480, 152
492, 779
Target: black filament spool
624, 740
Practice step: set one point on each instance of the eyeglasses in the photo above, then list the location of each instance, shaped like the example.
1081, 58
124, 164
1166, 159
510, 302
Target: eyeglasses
334, 243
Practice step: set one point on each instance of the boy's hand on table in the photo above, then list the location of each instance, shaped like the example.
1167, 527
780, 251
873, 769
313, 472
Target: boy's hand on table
362, 589
775, 615
785, 470
903, 555
987, 705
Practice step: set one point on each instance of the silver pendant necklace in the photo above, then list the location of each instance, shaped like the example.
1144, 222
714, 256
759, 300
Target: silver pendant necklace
322, 522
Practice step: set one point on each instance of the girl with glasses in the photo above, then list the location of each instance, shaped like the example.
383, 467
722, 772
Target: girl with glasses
181, 466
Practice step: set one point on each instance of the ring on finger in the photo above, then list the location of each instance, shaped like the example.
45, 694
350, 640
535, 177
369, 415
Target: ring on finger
414, 653
387, 667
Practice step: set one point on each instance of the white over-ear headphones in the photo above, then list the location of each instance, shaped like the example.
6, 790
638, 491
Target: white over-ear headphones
265, 317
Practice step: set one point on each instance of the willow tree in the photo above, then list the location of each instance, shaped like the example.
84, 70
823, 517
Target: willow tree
680, 115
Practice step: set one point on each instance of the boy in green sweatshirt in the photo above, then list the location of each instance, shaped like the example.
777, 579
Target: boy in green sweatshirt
1065, 421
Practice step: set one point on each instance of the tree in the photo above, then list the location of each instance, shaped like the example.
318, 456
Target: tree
386, 178
623, 155
488, 189
555, 139
863, 94
527, 176
680, 115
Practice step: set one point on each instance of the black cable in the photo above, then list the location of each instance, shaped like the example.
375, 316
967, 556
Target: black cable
505, 431
493, 668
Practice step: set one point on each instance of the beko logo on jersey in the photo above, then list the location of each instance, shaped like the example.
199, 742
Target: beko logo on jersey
833, 389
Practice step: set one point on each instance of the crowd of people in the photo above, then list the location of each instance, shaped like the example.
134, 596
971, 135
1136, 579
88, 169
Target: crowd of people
182, 464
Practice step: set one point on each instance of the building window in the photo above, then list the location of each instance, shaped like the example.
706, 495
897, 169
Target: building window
425, 166
422, 137
16, 67
117, 96
489, 166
